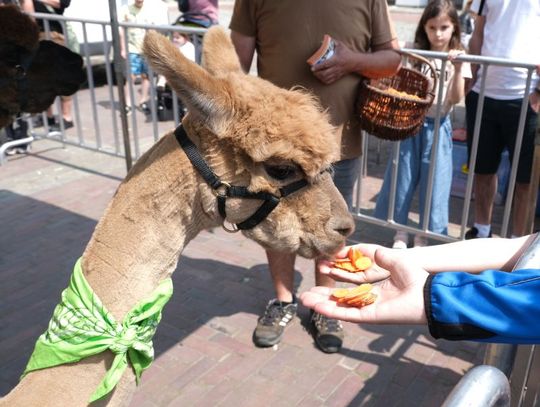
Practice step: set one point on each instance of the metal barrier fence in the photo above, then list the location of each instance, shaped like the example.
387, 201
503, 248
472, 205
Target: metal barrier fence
97, 112
362, 214
96, 108
482, 386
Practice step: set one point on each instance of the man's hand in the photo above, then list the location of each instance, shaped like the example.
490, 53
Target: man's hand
399, 299
336, 67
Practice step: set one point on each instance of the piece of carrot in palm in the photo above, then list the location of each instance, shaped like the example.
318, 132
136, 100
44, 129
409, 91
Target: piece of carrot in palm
363, 263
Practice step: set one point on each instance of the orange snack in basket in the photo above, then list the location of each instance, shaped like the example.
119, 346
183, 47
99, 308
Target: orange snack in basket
398, 93
354, 262
358, 296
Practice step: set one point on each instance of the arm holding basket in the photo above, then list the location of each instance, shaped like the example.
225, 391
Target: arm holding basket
382, 61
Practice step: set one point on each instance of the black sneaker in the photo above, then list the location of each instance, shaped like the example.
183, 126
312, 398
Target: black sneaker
328, 333
272, 323
38, 121
18, 150
472, 233
143, 107
68, 124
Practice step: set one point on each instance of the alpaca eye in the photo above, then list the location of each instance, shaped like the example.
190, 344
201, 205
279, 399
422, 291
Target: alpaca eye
281, 172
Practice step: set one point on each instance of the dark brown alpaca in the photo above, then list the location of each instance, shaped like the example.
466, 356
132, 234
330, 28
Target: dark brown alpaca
32, 72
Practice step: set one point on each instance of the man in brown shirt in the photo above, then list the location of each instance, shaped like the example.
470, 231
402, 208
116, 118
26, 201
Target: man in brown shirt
285, 35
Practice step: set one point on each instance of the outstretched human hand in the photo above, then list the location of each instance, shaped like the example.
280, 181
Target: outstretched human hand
399, 298
336, 67
373, 274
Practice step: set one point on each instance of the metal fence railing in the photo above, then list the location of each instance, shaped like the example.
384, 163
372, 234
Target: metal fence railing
482, 386
363, 212
96, 107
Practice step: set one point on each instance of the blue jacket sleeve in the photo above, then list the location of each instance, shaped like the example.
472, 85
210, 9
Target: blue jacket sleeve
493, 306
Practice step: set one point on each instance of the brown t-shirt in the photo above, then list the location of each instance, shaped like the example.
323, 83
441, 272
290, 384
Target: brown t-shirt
288, 32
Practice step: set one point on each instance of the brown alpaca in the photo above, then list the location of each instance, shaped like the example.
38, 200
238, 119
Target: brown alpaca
251, 134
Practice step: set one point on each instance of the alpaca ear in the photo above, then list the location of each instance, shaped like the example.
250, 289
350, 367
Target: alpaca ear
219, 56
205, 95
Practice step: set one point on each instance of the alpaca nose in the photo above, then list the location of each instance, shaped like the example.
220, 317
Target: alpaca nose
344, 226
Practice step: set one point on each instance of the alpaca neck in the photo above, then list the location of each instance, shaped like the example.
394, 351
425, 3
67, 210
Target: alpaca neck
137, 243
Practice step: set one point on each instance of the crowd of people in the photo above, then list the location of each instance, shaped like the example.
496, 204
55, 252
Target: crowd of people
283, 36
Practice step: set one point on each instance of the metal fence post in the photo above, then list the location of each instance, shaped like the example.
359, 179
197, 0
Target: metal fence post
119, 71
482, 386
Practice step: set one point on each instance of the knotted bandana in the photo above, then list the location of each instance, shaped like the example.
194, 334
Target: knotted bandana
82, 327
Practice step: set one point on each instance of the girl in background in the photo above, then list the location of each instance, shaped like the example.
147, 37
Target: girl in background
438, 30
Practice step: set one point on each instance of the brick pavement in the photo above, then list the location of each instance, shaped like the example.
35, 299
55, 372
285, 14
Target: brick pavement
51, 200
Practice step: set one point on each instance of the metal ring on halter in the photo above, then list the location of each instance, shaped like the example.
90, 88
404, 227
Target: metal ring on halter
224, 185
232, 228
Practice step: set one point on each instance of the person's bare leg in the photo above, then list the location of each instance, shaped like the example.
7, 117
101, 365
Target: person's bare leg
485, 188
145, 88
520, 209
323, 279
50, 112
66, 103
127, 91
281, 267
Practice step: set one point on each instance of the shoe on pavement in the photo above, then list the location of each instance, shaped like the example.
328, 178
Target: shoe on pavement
472, 233
18, 150
145, 108
38, 121
328, 333
272, 323
401, 239
68, 124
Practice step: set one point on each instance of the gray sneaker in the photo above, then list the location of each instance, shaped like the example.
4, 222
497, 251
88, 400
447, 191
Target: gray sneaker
328, 333
272, 323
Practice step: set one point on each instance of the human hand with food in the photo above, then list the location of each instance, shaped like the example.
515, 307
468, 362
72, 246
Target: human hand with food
354, 264
397, 299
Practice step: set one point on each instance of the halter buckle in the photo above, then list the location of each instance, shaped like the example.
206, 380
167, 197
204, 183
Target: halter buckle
222, 189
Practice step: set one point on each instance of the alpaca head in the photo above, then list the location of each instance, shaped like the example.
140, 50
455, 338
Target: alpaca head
32, 72
257, 135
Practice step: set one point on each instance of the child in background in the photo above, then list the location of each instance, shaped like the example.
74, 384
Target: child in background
185, 46
438, 30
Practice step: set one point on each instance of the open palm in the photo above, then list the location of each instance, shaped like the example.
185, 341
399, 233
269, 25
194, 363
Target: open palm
399, 298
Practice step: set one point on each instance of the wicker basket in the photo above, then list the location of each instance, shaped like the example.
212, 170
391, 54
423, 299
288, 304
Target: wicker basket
393, 116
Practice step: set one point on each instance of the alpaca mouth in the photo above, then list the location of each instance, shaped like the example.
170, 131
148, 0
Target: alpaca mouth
310, 249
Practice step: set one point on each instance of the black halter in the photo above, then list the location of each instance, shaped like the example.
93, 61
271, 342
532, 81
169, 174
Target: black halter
223, 190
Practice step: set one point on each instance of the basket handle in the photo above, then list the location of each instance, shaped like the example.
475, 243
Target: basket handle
426, 61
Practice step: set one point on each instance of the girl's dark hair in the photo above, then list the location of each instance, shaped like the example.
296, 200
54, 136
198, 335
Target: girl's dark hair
433, 9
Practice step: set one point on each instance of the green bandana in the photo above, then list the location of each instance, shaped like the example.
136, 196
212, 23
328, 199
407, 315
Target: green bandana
82, 327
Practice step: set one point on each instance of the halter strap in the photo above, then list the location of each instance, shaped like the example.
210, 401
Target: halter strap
224, 190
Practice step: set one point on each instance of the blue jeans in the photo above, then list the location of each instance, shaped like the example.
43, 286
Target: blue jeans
345, 176
413, 171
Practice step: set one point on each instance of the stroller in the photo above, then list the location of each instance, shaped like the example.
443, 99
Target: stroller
165, 105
